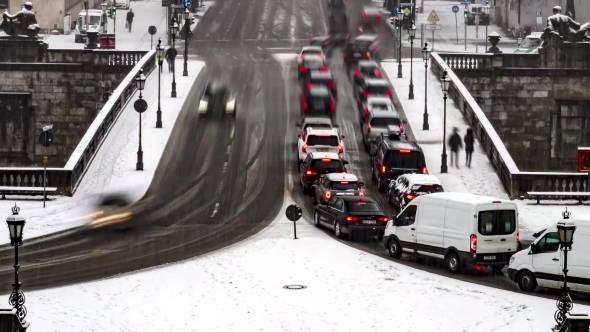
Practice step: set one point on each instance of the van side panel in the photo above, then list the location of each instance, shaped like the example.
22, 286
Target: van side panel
578, 260
456, 227
430, 224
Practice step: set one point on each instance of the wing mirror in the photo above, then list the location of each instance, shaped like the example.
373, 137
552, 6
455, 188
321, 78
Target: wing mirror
342, 136
395, 221
345, 162
533, 249
316, 182
298, 135
361, 184
405, 122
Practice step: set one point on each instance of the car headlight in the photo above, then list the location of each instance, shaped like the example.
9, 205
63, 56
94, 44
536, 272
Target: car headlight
230, 105
202, 106
511, 260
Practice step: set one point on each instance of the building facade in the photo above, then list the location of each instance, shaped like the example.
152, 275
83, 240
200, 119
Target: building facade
50, 13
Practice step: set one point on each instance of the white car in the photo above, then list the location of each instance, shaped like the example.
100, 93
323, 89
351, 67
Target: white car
409, 186
310, 50
377, 104
319, 140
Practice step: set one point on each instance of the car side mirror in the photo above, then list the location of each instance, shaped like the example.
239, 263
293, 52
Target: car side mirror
316, 182
345, 162
533, 249
342, 136
405, 122
361, 184
298, 135
395, 221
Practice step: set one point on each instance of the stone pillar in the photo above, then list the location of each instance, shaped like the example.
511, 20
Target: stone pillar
494, 39
9, 322
92, 35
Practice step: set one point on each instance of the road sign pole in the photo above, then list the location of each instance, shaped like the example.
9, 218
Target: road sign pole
465, 35
457, 28
432, 49
45, 170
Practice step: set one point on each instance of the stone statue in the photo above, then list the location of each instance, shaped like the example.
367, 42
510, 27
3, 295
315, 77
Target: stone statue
21, 23
566, 28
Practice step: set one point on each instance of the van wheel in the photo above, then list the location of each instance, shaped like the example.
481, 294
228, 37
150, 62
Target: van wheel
453, 262
394, 248
526, 281
338, 230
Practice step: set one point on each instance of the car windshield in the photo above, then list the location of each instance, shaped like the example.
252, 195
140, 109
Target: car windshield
317, 126
311, 51
378, 89
405, 159
344, 185
362, 46
313, 63
384, 122
327, 165
381, 105
319, 104
322, 140
362, 206
427, 188
530, 43
369, 71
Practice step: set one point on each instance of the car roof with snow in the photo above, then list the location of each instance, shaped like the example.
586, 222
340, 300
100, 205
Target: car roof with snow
377, 81
319, 91
316, 74
366, 36
422, 179
467, 198
379, 100
311, 131
341, 177
367, 63
311, 120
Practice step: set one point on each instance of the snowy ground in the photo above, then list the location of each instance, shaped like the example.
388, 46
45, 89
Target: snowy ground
481, 178
241, 289
113, 167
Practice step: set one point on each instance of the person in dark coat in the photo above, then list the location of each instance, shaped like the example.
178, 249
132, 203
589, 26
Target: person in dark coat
455, 144
171, 54
468, 139
130, 16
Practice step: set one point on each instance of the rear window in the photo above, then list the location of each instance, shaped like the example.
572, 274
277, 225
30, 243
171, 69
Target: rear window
332, 165
362, 46
369, 71
311, 52
427, 189
317, 126
382, 106
313, 64
322, 140
384, 122
402, 159
362, 207
344, 185
496, 222
378, 89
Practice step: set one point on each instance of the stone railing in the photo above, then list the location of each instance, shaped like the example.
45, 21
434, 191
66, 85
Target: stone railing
66, 179
515, 182
95, 57
490, 61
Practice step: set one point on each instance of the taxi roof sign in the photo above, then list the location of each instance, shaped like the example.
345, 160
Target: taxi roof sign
433, 17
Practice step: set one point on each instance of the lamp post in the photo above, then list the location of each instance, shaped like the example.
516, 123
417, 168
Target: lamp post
426, 58
445, 81
412, 32
566, 239
140, 81
187, 26
16, 223
173, 32
160, 56
400, 17
486, 11
87, 15
104, 6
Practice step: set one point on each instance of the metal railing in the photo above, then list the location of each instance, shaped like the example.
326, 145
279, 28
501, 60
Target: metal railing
68, 178
515, 182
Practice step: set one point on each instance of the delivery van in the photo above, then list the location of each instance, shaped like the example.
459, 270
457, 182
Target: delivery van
542, 263
94, 19
465, 230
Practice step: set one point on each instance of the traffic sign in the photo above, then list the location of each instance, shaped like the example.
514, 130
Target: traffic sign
407, 11
455, 9
432, 27
186, 3
152, 30
293, 212
395, 11
433, 17
46, 138
140, 105
539, 14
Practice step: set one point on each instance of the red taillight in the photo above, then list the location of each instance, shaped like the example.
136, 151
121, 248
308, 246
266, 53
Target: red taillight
378, 16
389, 94
301, 57
382, 219
323, 70
383, 169
326, 160
357, 73
401, 128
309, 172
304, 104
352, 219
327, 195
366, 111
332, 106
424, 170
368, 127
496, 202
472, 244
304, 148
364, 16
404, 151
410, 197
366, 94
340, 149
332, 86
309, 86
517, 238
303, 69
378, 73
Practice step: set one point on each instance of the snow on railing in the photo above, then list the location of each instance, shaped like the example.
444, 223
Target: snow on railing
66, 179
515, 182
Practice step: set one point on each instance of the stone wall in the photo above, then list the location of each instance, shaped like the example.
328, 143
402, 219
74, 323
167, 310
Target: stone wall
540, 114
65, 95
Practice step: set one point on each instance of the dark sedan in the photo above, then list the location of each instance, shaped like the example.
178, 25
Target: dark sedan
525, 239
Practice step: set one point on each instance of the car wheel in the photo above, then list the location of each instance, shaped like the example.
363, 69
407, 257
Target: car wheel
453, 262
338, 230
316, 219
394, 248
526, 281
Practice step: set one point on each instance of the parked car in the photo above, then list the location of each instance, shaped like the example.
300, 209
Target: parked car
409, 186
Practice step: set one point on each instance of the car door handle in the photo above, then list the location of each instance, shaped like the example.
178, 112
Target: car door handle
502, 240
413, 229
556, 259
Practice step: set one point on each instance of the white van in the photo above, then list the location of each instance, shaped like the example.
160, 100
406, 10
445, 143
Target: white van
93, 20
542, 263
465, 230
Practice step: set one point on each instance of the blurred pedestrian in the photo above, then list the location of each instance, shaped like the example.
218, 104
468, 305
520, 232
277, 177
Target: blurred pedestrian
130, 16
468, 139
455, 144
171, 54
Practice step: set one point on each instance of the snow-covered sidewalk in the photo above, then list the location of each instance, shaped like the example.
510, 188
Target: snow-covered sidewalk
113, 167
241, 288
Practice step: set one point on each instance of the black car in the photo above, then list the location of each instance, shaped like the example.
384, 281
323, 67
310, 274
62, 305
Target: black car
217, 98
322, 78
372, 87
318, 101
318, 163
310, 63
337, 5
366, 69
369, 20
394, 156
351, 215
338, 29
363, 47
409, 186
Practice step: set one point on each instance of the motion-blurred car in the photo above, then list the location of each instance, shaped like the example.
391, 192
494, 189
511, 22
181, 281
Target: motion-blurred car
377, 104
217, 98
318, 163
338, 28
381, 122
308, 51
322, 78
366, 69
318, 101
318, 122
526, 239
337, 5
409, 186
364, 47
337, 184
112, 213
372, 87
530, 43
321, 41
369, 20
309, 63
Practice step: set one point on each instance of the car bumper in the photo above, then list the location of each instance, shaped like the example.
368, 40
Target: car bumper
471, 260
372, 230
512, 274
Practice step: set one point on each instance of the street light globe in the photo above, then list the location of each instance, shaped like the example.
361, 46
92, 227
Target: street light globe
187, 13
174, 27
412, 30
486, 8
400, 15
566, 234
16, 224
104, 6
445, 81
425, 52
159, 49
140, 80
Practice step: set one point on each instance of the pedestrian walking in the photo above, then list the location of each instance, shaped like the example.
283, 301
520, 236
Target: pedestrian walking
455, 144
468, 139
130, 16
171, 54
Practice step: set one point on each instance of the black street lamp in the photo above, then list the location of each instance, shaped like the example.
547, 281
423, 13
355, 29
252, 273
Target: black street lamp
566, 239
173, 32
412, 32
444, 82
187, 26
426, 58
160, 57
486, 10
140, 81
16, 224
400, 17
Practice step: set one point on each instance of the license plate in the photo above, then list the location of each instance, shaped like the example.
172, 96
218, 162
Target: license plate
369, 222
323, 150
489, 258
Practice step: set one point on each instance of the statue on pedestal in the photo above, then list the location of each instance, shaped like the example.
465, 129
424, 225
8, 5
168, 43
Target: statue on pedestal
21, 23
566, 28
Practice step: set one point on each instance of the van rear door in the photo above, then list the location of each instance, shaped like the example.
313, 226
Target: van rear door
487, 239
507, 228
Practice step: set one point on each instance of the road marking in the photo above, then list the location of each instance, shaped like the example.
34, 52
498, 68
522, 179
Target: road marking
224, 166
215, 210
232, 20
323, 16
228, 148
293, 22
231, 135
